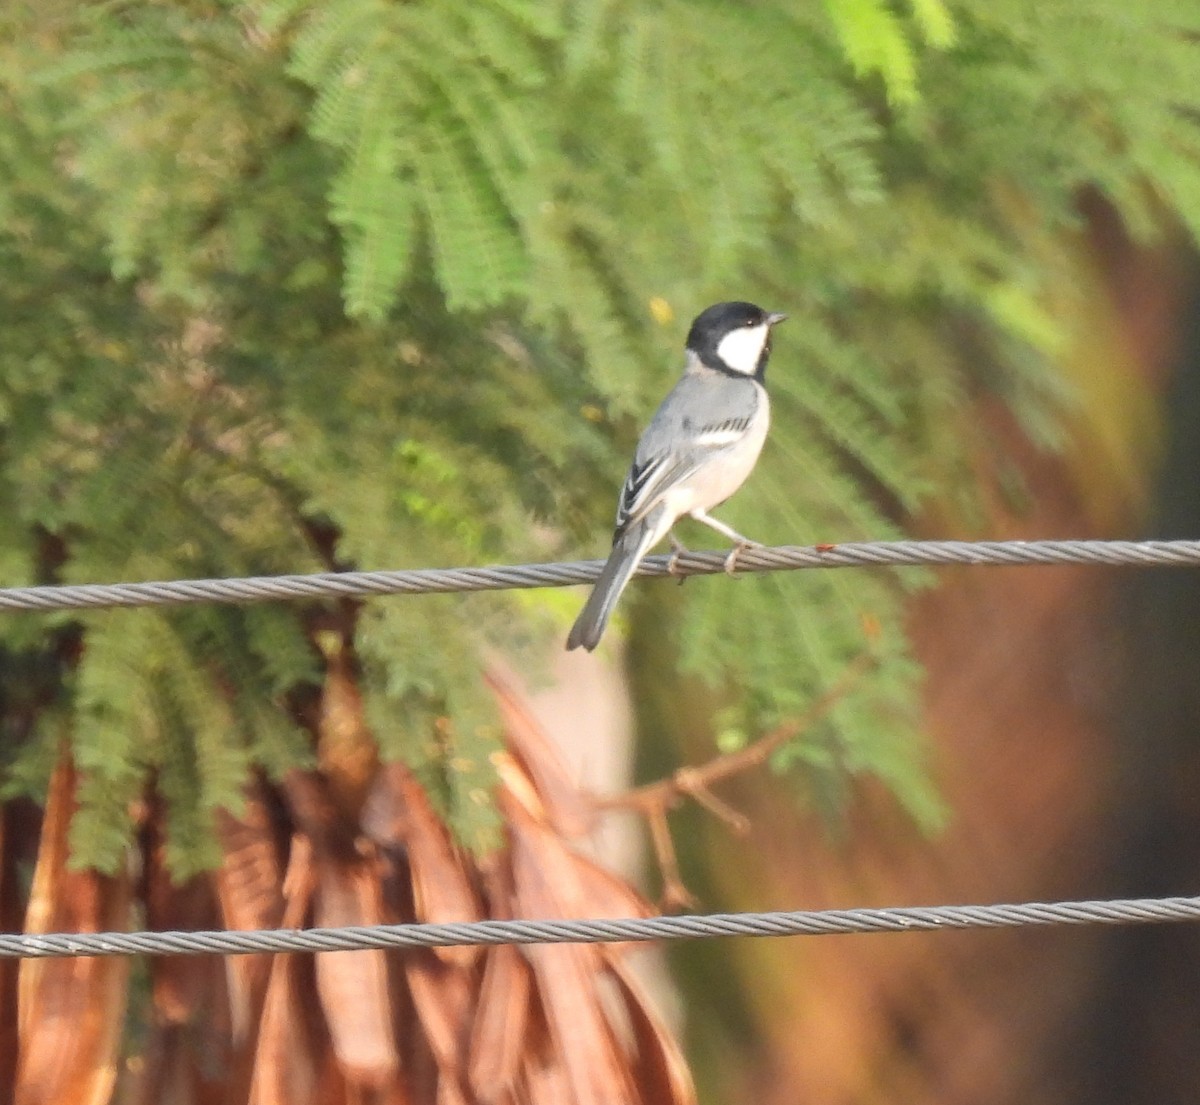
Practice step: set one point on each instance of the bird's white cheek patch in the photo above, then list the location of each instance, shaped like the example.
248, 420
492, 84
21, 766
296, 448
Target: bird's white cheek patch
741, 349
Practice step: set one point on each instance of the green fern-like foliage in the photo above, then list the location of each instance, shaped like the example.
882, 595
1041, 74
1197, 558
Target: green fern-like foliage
293, 285
438, 112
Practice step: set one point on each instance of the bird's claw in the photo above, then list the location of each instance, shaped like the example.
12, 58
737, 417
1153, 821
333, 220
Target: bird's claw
677, 550
730, 564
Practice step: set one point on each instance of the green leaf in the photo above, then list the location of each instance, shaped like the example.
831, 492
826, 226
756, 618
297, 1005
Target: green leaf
875, 42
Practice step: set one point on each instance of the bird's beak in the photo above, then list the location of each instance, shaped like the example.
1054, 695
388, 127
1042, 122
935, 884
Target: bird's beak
775, 318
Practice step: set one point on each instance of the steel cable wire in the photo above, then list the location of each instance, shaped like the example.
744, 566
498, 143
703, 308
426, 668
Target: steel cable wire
863, 554
698, 926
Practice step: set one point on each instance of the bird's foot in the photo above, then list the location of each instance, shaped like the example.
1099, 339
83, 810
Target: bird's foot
677, 549
731, 560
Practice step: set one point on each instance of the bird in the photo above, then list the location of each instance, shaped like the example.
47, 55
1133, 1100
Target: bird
699, 448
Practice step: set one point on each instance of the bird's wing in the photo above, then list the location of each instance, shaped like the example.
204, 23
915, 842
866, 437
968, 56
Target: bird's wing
682, 439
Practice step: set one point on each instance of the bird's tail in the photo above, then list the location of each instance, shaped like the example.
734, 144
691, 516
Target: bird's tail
627, 553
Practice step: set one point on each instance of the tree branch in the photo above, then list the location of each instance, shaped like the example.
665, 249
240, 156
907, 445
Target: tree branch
654, 800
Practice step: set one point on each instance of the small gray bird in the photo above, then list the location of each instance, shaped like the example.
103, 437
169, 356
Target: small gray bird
698, 450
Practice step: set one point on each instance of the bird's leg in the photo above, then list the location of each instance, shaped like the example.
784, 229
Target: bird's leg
677, 548
723, 529
733, 535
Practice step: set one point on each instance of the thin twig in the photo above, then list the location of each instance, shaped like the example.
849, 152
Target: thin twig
654, 800
675, 894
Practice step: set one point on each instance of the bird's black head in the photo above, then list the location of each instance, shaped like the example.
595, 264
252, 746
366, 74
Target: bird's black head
734, 338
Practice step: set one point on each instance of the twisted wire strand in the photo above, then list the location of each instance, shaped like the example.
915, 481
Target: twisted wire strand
473, 933
862, 554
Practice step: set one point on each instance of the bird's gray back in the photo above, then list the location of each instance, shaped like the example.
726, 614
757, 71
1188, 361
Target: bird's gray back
700, 401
